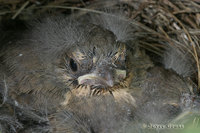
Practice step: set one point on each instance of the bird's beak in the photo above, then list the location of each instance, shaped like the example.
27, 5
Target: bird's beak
102, 78
96, 78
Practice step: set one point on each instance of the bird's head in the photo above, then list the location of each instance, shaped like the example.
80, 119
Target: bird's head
99, 61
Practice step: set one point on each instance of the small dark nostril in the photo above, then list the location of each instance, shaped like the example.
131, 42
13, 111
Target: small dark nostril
94, 48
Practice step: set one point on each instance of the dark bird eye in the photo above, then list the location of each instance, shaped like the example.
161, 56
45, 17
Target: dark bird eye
73, 65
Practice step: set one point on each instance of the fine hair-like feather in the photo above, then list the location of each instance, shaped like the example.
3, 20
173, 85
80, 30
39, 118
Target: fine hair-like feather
116, 22
179, 60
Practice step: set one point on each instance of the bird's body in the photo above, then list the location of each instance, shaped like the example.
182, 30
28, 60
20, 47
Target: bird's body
89, 77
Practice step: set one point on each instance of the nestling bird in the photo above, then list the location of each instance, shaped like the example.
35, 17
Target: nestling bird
92, 71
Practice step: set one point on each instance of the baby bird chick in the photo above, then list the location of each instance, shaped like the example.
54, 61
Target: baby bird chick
91, 73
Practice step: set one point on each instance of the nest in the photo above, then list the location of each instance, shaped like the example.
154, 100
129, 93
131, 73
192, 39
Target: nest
162, 25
